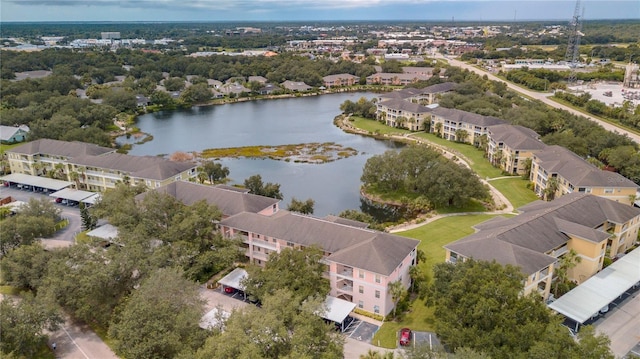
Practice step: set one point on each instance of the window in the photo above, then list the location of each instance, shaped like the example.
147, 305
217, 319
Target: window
361, 274
377, 278
376, 309
360, 289
377, 294
360, 304
289, 244
608, 190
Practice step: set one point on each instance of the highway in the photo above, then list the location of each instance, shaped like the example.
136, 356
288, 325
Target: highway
541, 96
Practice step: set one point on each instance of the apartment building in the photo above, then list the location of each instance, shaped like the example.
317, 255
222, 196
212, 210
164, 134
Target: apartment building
592, 226
461, 126
360, 262
395, 79
340, 80
93, 167
401, 113
510, 146
556, 171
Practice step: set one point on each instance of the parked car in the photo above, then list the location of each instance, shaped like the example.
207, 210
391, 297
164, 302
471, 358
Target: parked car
229, 290
405, 336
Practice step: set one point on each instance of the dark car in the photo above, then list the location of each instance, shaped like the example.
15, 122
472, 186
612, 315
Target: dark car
405, 336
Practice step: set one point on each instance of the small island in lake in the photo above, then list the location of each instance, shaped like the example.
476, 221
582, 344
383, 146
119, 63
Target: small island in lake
303, 153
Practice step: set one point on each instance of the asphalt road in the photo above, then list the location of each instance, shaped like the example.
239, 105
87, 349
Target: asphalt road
542, 97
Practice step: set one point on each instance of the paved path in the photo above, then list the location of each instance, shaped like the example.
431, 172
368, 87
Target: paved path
78, 341
543, 97
622, 326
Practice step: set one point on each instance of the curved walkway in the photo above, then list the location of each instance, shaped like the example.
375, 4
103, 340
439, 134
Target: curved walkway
499, 199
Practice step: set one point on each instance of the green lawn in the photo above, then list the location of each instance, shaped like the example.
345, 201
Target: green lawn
4, 147
477, 161
516, 191
432, 237
376, 127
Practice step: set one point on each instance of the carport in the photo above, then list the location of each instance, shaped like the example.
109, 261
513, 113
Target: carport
37, 183
106, 232
74, 195
337, 310
233, 280
596, 293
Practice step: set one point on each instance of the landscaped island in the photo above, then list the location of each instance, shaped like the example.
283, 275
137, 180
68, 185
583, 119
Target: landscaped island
303, 152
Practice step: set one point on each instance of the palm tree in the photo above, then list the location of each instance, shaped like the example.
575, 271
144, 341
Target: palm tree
438, 129
566, 262
397, 290
550, 190
75, 176
461, 135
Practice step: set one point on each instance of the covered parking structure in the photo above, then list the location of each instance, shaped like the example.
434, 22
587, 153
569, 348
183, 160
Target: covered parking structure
34, 183
76, 196
234, 280
596, 293
337, 310
334, 309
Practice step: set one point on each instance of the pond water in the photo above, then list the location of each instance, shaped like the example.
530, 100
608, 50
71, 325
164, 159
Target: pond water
334, 186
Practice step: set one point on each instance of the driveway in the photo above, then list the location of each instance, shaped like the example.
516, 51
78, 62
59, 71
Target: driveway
622, 325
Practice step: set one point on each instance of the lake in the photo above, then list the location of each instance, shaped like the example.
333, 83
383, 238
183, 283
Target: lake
334, 186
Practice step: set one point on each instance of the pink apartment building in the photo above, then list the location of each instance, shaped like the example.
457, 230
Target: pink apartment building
360, 262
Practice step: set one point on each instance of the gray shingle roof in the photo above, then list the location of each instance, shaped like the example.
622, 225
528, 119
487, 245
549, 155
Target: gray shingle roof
362, 248
542, 227
456, 115
438, 88
557, 159
147, 167
61, 148
516, 137
229, 201
399, 104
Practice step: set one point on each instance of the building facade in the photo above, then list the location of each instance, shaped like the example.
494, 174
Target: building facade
556, 171
360, 263
511, 148
457, 125
592, 226
92, 167
402, 113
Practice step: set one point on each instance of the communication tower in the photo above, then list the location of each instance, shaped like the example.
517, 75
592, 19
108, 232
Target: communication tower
572, 57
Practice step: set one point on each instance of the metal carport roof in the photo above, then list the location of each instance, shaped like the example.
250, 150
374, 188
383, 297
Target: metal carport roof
37, 181
584, 301
337, 309
106, 232
233, 279
72, 194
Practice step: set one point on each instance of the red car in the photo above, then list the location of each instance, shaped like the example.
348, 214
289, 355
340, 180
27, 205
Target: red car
229, 290
405, 336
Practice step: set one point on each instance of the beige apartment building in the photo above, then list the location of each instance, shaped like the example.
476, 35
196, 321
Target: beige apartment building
511, 146
92, 167
401, 113
462, 126
555, 167
592, 226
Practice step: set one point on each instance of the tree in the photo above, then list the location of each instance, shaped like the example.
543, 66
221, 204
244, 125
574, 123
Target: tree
215, 171
160, 319
304, 207
254, 185
88, 221
25, 266
551, 189
478, 305
461, 135
282, 328
568, 261
438, 129
397, 291
35, 219
300, 271
23, 323
592, 345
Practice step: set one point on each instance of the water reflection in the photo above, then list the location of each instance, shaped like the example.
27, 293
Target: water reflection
334, 186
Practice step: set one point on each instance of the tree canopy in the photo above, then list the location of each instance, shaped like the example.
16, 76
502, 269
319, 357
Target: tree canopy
421, 171
479, 305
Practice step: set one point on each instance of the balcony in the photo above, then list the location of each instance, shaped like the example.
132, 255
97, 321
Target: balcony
560, 251
263, 244
345, 285
344, 271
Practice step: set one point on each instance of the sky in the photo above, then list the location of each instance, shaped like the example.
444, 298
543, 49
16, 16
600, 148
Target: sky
311, 10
